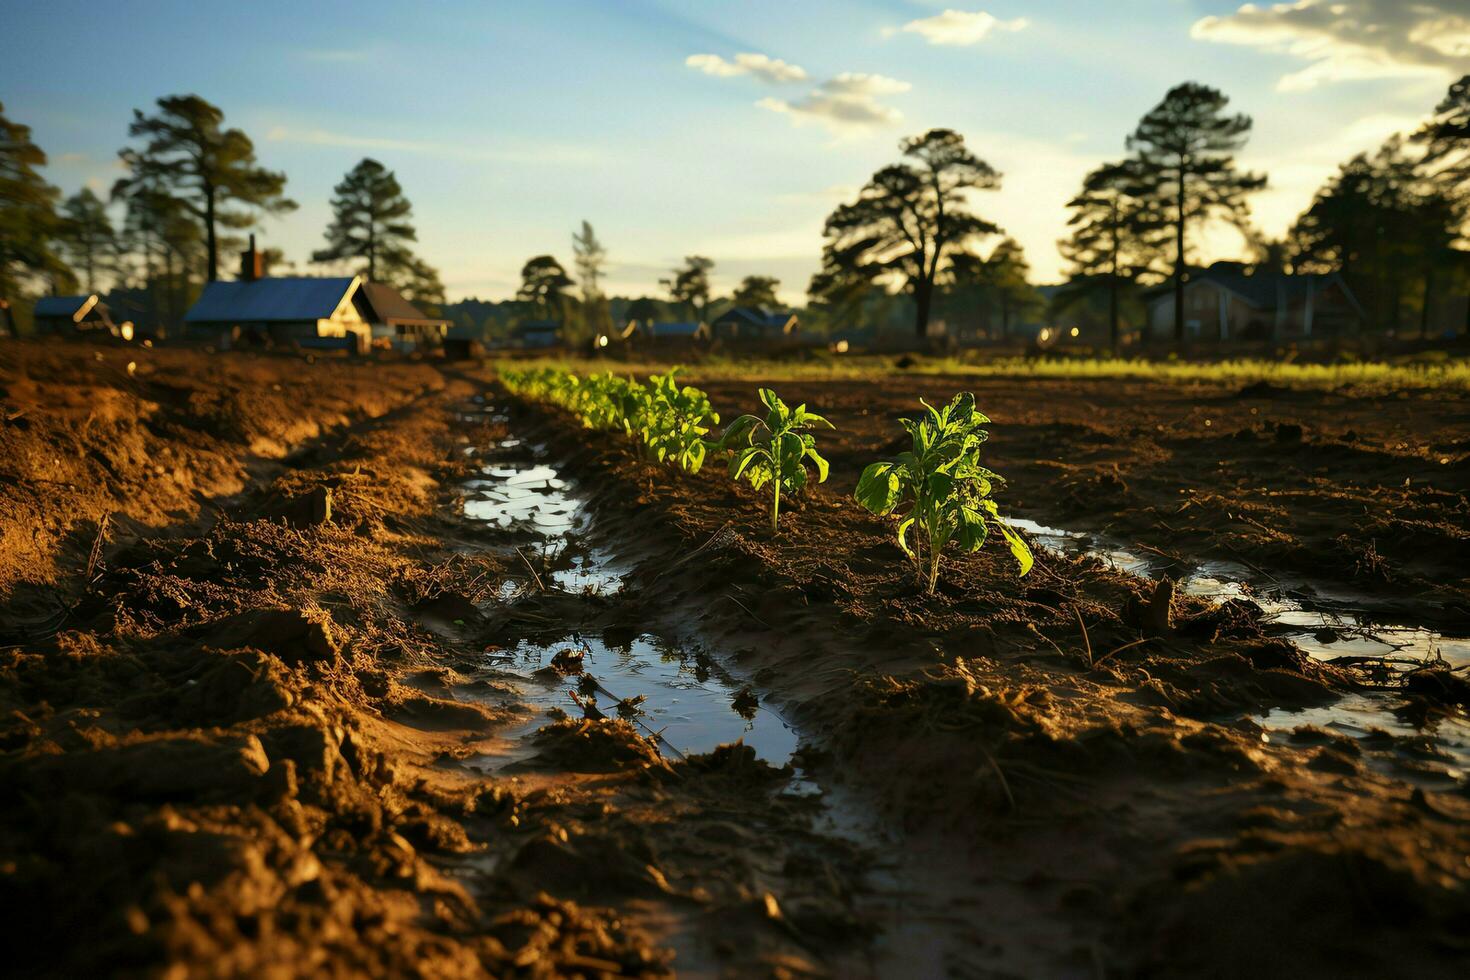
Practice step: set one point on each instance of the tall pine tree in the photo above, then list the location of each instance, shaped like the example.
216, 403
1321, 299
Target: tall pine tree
209, 169
370, 222
1185, 154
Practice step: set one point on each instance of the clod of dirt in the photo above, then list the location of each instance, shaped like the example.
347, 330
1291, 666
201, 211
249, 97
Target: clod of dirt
594, 745
295, 635
906, 361
568, 661
1439, 686
1155, 614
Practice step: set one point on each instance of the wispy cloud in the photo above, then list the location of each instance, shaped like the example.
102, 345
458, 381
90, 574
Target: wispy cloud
1352, 39
761, 66
959, 27
846, 104
455, 151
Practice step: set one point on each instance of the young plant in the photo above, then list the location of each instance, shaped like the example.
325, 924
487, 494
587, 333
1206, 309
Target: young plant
774, 450
941, 490
673, 420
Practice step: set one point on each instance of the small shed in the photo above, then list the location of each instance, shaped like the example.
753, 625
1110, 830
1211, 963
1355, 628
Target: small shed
399, 324
753, 323
536, 333
73, 315
319, 313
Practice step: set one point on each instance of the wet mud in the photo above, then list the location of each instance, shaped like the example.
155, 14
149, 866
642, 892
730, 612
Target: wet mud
401, 677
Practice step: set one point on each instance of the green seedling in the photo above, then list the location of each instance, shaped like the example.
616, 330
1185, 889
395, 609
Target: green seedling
939, 489
774, 450
672, 420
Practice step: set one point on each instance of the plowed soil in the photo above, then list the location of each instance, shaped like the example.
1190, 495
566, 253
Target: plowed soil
246, 728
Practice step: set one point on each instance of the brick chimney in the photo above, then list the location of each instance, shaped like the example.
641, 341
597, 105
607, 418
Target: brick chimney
251, 266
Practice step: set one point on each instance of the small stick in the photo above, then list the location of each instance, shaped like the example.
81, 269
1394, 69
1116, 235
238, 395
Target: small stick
540, 587
1087, 640
95, 558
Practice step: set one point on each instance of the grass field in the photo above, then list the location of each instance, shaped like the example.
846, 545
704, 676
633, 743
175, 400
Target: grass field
1450, 374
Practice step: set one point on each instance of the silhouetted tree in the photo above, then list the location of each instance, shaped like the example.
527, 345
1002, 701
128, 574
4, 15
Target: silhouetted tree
757, 291
544, 285
590, 257
204, 166
28, 219
86, 236
907, 222
1446, 136
1115, 238
370, 221
1002, 280
1184, 151
643, 310
689, 285
161, 232
1381, 223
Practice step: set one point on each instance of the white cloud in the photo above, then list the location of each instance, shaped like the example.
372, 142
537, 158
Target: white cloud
1352, 39
846, 104
961, 27
764, 67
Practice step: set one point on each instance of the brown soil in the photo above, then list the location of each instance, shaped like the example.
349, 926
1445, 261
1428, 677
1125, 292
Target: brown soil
246, 727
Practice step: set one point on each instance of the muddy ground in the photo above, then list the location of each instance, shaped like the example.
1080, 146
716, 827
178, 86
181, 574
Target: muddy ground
251, 720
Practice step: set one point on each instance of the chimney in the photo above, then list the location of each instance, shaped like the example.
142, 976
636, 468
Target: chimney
251, 267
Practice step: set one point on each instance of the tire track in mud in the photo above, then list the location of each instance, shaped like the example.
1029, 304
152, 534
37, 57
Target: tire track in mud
1084, 816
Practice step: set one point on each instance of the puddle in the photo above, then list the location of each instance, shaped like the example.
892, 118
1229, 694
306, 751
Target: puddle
687, 701
678, 694
1325, 625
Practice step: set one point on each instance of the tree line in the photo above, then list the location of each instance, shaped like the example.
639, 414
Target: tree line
1391, 221
191, 184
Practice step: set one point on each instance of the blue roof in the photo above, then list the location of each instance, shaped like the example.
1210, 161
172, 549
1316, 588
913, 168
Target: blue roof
755, 314
298, 298
684, 329
67, 306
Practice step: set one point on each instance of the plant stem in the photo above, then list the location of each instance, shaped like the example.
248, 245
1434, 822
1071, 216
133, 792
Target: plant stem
776, 505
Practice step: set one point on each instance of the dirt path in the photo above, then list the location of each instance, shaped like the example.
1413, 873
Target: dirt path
311, 711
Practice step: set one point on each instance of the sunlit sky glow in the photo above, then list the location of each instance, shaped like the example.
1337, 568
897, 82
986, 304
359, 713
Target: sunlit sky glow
728, 128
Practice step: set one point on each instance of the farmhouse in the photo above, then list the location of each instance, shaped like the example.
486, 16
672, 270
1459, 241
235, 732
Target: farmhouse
1225, 302
678, 331
73, 315
330, 313
399, 324
753, 323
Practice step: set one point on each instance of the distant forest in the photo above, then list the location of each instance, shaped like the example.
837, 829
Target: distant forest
911, 252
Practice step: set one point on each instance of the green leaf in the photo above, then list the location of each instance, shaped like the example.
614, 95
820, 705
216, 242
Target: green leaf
878, 488
903, 529
816, 458
1019, 549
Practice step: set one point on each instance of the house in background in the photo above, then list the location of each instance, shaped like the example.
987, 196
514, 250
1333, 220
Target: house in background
315, 313
318, 314
687, 332
753, 323
398, 324
1226, 302
536, 334
74, 316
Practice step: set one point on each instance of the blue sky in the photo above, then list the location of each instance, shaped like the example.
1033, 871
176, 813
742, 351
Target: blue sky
728, 128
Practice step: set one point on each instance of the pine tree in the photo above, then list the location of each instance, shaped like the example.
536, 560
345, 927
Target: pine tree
544, 285
370, 222
1184, 153
28, 219
1115, 238
909, 220
590, 257
87, 236
689, 285
757, 291
210, 170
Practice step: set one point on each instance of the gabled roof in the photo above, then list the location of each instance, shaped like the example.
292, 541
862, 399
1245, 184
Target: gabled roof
390, 307
273, 299
74, 308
